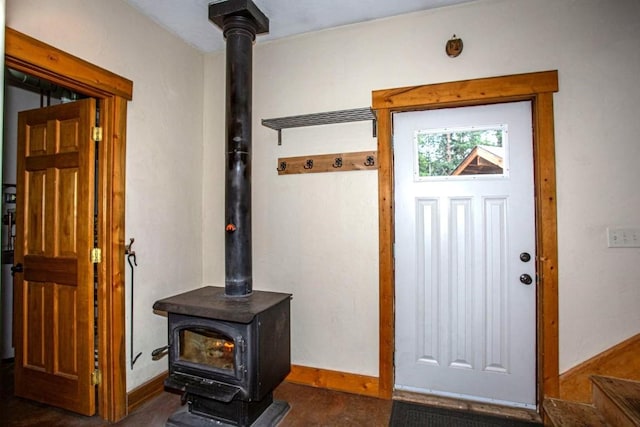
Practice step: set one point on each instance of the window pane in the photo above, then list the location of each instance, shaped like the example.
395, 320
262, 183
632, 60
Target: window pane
460, 151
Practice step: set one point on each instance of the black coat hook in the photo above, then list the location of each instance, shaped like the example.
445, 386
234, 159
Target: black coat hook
282, 167
337, 163
370, 161
309, 164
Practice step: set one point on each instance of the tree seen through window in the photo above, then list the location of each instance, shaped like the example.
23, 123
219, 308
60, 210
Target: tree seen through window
441, 152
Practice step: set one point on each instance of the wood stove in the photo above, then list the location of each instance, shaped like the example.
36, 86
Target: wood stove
227, 355
230, 347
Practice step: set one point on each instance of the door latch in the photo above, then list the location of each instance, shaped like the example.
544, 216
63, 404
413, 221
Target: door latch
16, 269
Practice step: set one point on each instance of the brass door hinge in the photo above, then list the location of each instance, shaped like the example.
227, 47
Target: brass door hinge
96, 377
97, 133
96, 255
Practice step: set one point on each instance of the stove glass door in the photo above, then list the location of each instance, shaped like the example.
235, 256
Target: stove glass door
207, 347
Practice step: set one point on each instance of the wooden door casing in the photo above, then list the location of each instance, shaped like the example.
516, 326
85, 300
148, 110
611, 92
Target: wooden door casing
54, 296
537, 87
31, 56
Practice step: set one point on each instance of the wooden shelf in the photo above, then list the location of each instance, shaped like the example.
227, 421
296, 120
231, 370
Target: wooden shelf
326, 118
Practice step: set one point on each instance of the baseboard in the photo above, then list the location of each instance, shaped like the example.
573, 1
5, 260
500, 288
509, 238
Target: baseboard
621, 361
314, 377
334, 380
144, 393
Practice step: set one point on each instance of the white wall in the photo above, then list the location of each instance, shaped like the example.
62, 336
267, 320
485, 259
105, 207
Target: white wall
214, 171
164, 146
316, 236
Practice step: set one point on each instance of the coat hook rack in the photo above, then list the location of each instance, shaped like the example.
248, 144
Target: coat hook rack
339, 162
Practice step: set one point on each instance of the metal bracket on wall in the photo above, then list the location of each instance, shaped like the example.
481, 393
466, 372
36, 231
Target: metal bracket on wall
327, 118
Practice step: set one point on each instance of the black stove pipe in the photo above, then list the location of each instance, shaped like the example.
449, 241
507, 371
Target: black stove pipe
240, 21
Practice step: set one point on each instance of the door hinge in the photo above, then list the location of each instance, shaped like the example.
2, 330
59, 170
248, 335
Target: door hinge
96, 377
97, 133
96, 255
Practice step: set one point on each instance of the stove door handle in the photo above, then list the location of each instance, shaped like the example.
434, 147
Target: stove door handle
159, 352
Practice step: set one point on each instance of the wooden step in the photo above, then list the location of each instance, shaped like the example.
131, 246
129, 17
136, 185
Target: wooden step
618, 400
562, 413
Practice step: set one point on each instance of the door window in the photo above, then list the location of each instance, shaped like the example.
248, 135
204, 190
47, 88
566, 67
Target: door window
460, 152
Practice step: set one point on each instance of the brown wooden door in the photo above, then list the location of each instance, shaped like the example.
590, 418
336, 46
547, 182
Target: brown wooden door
54, 309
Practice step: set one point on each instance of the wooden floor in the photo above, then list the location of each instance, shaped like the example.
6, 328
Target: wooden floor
614, 402
309, 407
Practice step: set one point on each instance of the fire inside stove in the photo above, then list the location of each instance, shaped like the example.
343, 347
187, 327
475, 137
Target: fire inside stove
207, 347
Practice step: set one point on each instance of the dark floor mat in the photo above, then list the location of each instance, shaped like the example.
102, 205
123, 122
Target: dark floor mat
404, 414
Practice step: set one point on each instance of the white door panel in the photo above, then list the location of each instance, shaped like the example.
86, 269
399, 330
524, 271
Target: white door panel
465, 324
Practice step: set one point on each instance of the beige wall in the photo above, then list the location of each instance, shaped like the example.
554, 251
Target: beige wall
164, 146
315, 235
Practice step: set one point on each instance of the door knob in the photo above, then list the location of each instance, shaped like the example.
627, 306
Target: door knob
525, 257
16, 269
526, 279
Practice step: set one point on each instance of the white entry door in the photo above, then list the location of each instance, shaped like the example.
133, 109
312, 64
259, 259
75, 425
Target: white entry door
465, 287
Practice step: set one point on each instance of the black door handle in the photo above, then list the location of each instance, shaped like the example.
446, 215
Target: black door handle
526, 279
16, 269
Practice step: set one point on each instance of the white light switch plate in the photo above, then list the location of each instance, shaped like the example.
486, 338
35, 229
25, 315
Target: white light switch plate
623, 237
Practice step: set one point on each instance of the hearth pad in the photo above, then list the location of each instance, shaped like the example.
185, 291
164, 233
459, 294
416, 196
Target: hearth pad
269, 418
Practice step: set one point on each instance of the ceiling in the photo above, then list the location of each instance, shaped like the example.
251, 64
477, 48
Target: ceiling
189, 18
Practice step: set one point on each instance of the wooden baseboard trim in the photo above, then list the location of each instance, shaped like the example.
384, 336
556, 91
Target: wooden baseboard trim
334, 380
145, 392
621, 361
314, 377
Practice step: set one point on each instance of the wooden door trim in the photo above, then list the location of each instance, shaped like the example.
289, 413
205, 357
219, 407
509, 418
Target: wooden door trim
33, 57
41, 60
535, 87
